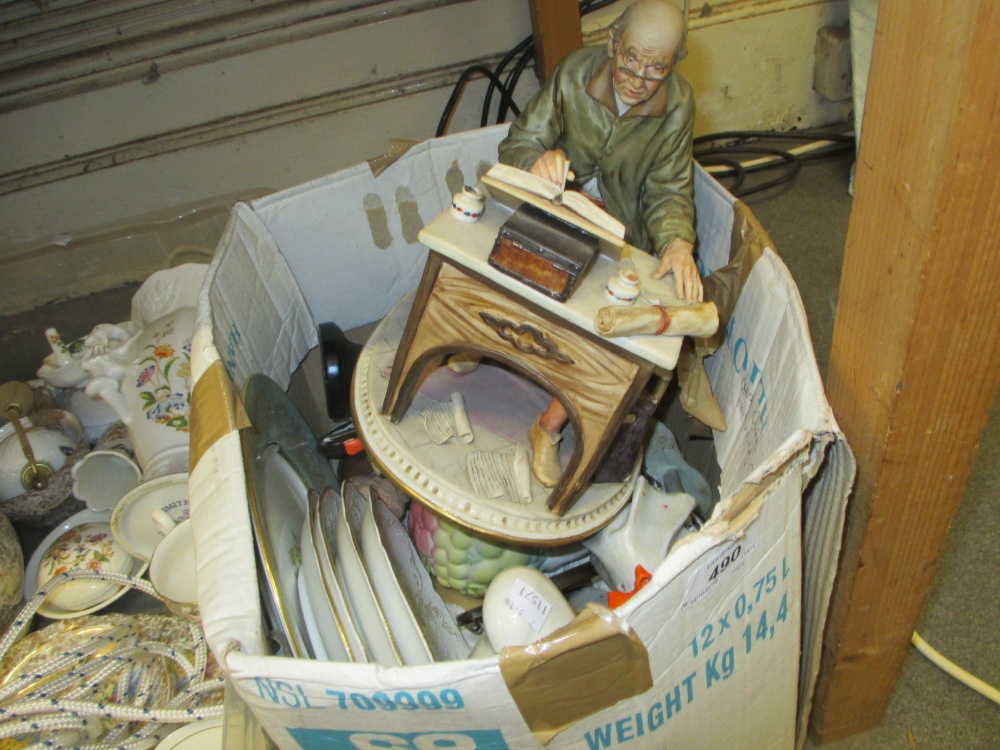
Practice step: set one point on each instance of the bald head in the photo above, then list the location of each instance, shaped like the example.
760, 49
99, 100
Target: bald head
644, 42
658, 22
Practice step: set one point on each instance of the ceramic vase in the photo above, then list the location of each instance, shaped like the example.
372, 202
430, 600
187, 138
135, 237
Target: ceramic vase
467, 204
146, 379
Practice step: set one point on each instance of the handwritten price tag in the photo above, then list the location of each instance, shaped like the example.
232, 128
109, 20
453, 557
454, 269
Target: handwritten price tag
527, 603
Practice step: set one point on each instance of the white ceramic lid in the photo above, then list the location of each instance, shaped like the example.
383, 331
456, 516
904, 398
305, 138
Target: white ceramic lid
133, 522
90, 546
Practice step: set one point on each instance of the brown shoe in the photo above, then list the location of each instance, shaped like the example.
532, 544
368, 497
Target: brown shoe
545, 455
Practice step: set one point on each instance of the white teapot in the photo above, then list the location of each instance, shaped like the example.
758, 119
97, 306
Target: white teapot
145, 377
142, 368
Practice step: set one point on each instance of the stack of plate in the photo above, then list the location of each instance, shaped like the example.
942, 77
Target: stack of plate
332, 589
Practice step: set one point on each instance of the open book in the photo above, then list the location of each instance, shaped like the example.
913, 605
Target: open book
513, 186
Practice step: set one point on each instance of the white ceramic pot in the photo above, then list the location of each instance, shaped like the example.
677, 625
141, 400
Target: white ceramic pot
623, 287
95, 414
146, 379
51, 448
56, 502
467, 205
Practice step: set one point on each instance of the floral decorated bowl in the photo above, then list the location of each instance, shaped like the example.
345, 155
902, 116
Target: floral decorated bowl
90, 546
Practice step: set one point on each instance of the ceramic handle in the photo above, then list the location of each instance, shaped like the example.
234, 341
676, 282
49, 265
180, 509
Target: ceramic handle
163, 520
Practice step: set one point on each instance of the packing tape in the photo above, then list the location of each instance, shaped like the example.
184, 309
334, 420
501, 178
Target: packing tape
552, 680
216, 410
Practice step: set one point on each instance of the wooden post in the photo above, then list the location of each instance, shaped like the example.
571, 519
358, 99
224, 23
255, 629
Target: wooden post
915, 360
555, 25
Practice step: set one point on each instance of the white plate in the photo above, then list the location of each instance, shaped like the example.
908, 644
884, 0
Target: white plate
315, 599
312, 627
361, 598
283, 464
132, 520
405, 629
198, 735
446, 640
31, 571
334, 587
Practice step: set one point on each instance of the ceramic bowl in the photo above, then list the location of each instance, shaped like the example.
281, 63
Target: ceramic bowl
51, 448
135, 521
173, 571
89, 546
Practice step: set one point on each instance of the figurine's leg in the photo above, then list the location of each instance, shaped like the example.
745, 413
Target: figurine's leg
545, 436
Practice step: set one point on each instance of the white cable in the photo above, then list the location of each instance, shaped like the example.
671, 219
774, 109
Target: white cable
760, 161
970, 680
148, 701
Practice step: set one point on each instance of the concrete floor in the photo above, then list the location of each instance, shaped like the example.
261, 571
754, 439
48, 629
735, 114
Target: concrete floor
808, 222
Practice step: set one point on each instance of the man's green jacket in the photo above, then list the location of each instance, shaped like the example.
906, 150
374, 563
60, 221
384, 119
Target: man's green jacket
642, 160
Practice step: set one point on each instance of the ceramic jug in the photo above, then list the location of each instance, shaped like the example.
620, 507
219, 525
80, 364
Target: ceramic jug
146, 378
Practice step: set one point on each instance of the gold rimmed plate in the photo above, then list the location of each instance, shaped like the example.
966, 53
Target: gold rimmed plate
282, 464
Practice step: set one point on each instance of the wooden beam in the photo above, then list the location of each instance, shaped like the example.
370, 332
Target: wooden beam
555, 25
915, 359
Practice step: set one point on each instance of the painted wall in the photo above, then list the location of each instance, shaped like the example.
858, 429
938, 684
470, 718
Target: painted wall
103, 176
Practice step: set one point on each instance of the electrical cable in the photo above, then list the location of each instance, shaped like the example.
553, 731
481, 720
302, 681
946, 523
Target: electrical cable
457, 91
793, 162
789, 135
820, 145
525, 46
967, 679
738, 171
498, 70
514, 77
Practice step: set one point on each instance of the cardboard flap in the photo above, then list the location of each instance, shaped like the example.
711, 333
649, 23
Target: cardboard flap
552, 680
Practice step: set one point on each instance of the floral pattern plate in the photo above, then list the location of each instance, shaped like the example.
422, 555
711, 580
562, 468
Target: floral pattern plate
50, 610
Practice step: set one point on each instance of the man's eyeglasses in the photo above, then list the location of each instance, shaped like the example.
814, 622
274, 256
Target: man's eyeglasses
635, 66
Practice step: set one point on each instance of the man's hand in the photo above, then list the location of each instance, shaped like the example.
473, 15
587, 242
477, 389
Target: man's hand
553, 166
678, 257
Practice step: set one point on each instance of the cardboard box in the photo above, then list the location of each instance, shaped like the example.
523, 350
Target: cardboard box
720, 649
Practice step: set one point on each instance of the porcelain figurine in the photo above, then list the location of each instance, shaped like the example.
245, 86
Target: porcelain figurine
557, 134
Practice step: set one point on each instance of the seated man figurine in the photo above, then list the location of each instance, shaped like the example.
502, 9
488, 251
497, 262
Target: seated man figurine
621, 118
